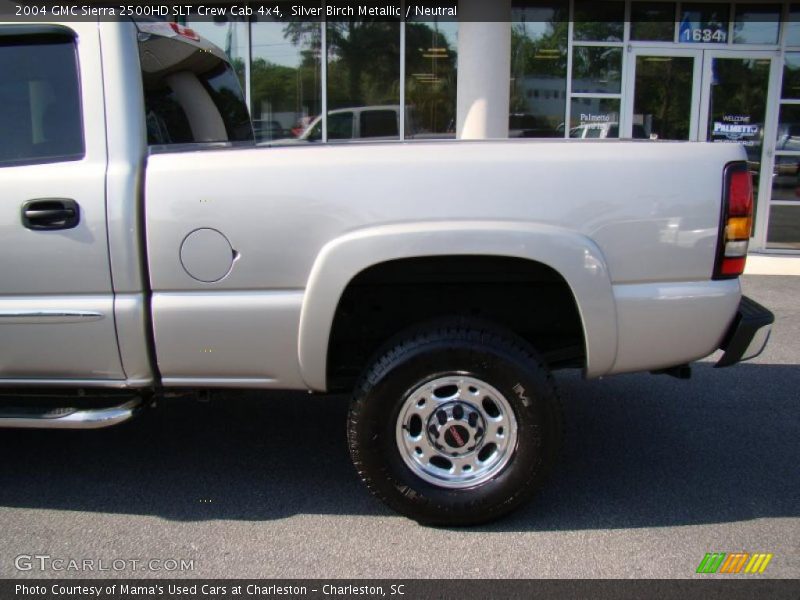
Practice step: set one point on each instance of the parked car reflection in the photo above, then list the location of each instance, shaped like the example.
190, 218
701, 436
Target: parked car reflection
380, 122
266, 130
788, 137
786, 178
604, 131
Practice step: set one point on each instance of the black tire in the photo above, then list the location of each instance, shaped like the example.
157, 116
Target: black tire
472, 349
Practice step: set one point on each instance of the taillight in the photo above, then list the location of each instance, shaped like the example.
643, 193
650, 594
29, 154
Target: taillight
184, 31
737, 221
168, 29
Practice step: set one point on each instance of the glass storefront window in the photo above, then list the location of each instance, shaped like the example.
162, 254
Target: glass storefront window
285, 73
757, 24
704, 23
783, 231
785, 181
788, 128
599, 21
538, 69
653, 21
792, 32
791, 76
738, 107
431, 78
784, 227
659, 112
364, 70
596, 70
594, 118
738, 104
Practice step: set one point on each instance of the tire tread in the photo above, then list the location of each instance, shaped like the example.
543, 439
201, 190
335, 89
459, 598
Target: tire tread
470, 332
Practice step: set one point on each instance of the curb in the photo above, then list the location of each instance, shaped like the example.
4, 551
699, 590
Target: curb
765, 264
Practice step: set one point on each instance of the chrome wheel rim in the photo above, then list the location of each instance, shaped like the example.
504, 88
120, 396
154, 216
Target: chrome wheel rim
456, 431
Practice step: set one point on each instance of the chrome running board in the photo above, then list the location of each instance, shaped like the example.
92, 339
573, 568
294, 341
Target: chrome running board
69, 418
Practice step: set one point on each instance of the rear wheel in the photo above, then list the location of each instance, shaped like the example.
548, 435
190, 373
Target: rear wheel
455, 424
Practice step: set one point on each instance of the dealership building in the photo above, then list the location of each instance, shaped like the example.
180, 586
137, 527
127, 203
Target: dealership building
727, 72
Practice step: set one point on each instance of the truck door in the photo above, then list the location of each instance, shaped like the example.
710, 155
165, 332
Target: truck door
56, 298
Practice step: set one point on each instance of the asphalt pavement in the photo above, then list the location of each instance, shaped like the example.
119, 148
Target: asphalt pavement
655, 473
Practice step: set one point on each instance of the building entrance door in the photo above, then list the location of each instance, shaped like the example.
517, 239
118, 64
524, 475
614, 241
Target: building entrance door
664, 94
707, 95
736, 89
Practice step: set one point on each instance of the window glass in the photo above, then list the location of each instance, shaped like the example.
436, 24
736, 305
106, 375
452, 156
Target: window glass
791, 76
285, 77
431, 77
594, 118
599, 21
738, 107
378, 124
785, 181
738, 103
704, 23
363, 64
792, 32
340, 125
539, 32
757, 24
40, 120
313, 133
662, 103
596, 70
788, 127
228, 35
653, 21
784, 227
191, 93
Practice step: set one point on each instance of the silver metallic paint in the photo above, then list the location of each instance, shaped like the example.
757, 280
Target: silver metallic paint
248, 336
666, 324
631, 226
206, 255
312, 217
55, 347
127, 149
63, 270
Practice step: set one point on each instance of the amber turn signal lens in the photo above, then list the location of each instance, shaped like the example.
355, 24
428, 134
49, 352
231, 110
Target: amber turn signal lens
738, 228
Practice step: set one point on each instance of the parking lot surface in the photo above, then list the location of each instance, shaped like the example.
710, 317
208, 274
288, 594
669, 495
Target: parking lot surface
655, 473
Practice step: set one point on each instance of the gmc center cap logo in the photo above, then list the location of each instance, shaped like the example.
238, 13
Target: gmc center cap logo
456, 436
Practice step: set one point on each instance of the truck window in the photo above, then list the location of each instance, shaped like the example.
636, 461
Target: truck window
190, 94
40, 107
340, 126
379, 123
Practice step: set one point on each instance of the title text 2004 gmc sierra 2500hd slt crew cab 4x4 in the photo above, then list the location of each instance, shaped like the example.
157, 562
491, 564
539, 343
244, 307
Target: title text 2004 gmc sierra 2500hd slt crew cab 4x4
149, 246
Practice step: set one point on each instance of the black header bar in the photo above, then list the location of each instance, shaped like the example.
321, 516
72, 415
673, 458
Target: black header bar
340, 10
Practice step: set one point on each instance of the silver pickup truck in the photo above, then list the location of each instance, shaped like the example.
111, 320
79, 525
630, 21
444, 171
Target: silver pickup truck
150, 248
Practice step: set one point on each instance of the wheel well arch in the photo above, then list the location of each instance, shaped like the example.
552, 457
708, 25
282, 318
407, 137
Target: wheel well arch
524, 296
575, 258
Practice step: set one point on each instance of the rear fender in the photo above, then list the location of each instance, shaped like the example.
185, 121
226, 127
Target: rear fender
576, 258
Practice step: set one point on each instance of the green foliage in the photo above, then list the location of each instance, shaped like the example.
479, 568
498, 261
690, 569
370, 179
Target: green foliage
363, 70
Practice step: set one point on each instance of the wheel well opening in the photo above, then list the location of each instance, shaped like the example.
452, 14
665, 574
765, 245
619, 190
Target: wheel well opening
524, 296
